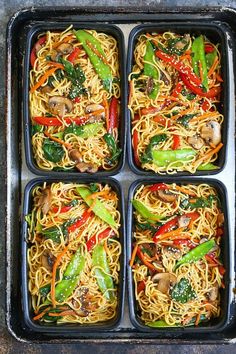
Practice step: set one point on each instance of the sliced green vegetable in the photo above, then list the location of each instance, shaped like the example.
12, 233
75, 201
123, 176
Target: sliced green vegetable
183, 292
196, 253
207, 167
210, 58
184, 121
114, 150
53, 233
98, 208
76, 75
150, 69
163, 158
145, 212
147, 226
162, 323
102, 69
70, 278
199, 58
198, 202
102, 271
155, 140
53, 151
36, 128
84, 131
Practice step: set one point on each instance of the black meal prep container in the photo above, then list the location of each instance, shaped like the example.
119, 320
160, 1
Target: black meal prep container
214, 325
33, 30
69, 330
215, 32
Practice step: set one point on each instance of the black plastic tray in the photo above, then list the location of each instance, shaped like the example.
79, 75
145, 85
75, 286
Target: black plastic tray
18, 175
216, 32
68, 330
31, 32
215, 325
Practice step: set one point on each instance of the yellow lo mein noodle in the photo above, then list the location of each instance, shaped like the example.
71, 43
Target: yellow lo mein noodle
59, 99
58, 228
176, 110
187, 293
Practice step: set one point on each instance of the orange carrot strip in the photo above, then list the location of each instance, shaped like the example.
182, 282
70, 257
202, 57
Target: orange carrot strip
45, 76
209, 154
171, 234
185, 56
186, 111
203, 116
185, 191
213, 67
219, 78
67, 145
131, 263
54, 269
41, 314
63, 313
89, 44
197, 319
64, 40
96, 194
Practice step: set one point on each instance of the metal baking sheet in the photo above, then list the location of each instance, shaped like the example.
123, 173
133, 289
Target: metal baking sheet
18, 175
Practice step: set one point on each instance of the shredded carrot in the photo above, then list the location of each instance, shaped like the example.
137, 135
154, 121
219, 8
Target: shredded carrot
54, 270
89, 44
185, 191
185, 56
171, 234
63, 313
45, 76
94, 113
41, 314
203, 116
187, 320
97, 194
192, 200
197, 319
50, 136
209, 154
213, 67
186, 111
65, 40
131, 263
219, 78
106, 107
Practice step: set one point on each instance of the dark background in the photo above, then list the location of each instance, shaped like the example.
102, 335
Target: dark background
7, 343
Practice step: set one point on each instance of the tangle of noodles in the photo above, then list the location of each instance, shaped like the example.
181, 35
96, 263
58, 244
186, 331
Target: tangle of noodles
176, 111
87, 303
204, 275
93, 151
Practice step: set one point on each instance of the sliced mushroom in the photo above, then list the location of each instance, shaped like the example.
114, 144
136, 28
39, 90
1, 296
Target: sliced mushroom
182, 43
183, 221
45, 200
60, 105
94, 108
87, 167
46, 89
65, 48
213, 293
166, 196
55, 55
220, 219
150, 84
211, 133
196, 142
164, 78
75, 155
164, 280
81, 305
47, 260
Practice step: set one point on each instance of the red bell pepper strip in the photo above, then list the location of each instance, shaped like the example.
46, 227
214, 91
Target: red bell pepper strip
141, 286
55, 122
158, 186
176, 142
221, 270
205, 105
113, 114
178, 88
85, 216
179, 66
162, 121
210, 257
209, 48
197, 90
73, 55
95, 239
63, 209
145, 262
33, 54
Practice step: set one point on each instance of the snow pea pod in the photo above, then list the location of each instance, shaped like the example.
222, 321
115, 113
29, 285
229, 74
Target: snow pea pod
150, 70
145, 212
101, 271
162, 158
196, 253
199, 58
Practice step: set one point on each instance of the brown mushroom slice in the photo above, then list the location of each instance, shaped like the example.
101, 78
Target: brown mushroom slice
65, 48
195, 141
211, 133
60, 105
166, 196
94, 108
220, 219
75, 155
87, 167
47, 260
164, 281
183, 221
45, 200
54, 55
46, 89
213, 293
150, 84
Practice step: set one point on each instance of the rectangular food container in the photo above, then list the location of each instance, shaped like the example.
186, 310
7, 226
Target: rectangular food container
214, 325
32, 32
68, 330
215, 32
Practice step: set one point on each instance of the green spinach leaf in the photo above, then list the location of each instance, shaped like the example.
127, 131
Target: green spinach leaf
183, 291
53, 151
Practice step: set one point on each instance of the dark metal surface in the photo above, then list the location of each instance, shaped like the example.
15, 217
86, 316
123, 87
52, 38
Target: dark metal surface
127, 13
